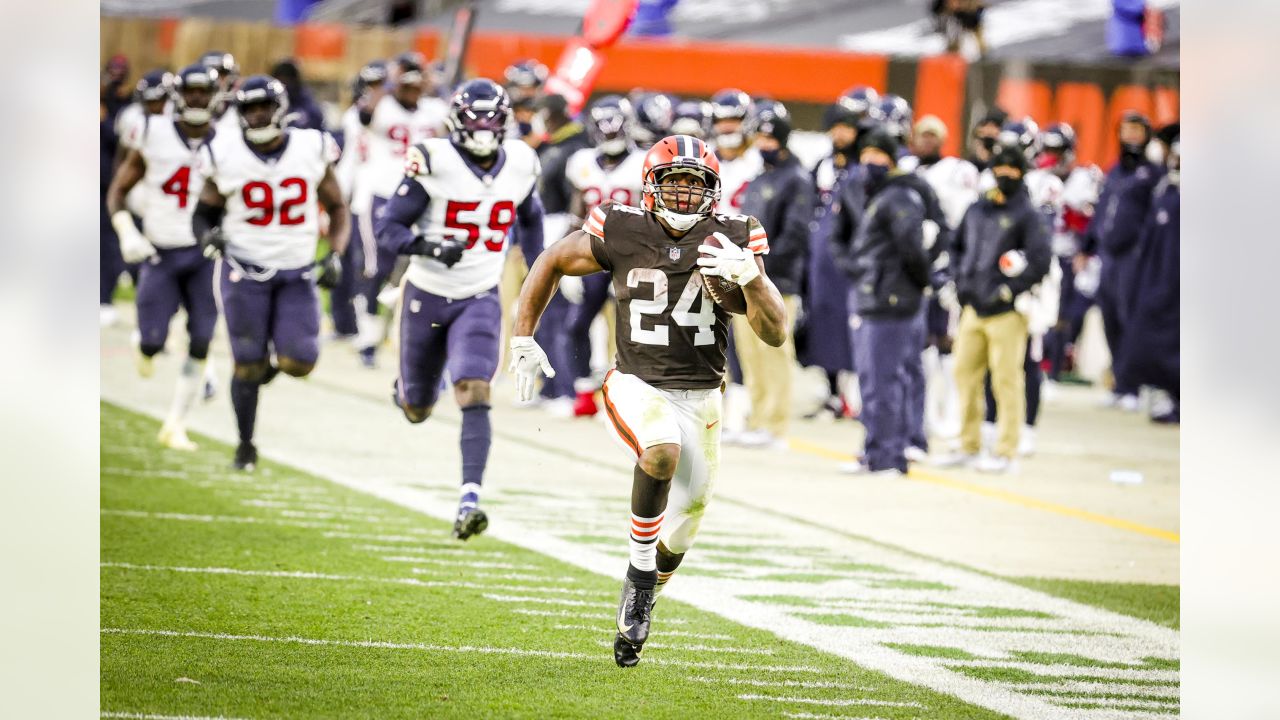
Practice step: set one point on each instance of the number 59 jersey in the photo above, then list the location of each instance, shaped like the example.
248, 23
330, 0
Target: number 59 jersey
469, 204
272, 215
670, 333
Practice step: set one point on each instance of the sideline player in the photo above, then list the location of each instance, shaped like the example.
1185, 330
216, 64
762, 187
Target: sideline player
453, 213
260, 211
664, 396
161, 160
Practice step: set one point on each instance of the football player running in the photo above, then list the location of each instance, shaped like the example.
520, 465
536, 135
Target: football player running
610, 171
664, 395
260, 212
162, 161
453, 213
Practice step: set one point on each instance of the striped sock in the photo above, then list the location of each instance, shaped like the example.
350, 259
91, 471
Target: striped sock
643, 541
470, 495
663, 577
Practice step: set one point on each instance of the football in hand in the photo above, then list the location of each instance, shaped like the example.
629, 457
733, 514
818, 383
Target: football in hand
726, 293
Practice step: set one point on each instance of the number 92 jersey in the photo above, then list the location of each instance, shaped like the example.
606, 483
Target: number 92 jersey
669, 332
620, 183
272, 217
475, 206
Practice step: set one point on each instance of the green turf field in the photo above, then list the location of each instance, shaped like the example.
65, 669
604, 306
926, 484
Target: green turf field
279, 594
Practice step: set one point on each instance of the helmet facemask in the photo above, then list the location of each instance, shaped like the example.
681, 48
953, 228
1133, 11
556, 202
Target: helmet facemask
273, 128
682, 205
188, 112
480, 132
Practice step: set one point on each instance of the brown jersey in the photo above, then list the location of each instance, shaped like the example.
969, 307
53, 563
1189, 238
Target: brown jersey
669, 332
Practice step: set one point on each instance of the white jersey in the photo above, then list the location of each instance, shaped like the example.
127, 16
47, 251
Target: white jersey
1044, 187
172, 183
391, 132
355, 153
131, 123
272, 213
734, 176
1083, 186
954, 180
620, 183
476, 209
826, 174
229, 122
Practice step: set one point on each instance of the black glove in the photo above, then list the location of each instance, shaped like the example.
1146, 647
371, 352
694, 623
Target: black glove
447, 250
213, 243
330, 271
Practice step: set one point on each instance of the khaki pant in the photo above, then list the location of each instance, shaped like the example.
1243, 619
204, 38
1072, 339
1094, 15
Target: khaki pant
766, 371
997, 343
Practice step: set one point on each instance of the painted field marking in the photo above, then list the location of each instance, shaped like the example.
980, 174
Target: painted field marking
189, 517
546, 601
652, 645
1077, 686
1051, 670
460, 563
306, 575
1027, 501
806, 684
569, 614
455, 548
820, 716
150, 716
477, 649
851, 702
665, 633
346, 535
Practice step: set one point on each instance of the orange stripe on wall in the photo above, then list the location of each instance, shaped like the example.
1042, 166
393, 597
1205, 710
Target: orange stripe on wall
1166, 106
1021, 98
315, 41
696, 68
168, 31
1080, 105
940, 84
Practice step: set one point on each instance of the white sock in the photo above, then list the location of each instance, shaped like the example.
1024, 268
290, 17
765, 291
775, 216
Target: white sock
644, 541
190, 381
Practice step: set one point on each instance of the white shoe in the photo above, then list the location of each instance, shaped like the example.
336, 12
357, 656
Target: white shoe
915, 454
1129, 403
1111, 400
989, 435
1027, 441
107, 315
209, 389
956, 460
857, 467
561, 407
762, 439
994, 464
174, 437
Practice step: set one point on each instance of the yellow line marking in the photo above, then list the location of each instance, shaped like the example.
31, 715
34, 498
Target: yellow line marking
1005, 495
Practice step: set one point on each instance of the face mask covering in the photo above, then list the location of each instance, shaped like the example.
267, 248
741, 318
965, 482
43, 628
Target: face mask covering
1131, 154
930, 159
1008, 185
770, 157
876, 176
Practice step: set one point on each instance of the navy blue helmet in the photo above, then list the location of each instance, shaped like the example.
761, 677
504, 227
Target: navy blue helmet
193, 77
410, 68
372, 74
1021, 134
258, 90
478, 117
653, 113
692, 117
895, 115
528, 74
1060, 139
609, 121
855, 107
153, 86
731, 104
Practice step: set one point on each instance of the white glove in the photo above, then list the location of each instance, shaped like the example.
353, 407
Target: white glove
947, 297
731, 262
527, 358
572, 289
133, 246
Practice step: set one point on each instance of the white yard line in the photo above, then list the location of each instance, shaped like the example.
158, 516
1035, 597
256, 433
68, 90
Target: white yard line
150, 716
806, 684
456, 549
849, 702
659, 645
1120, 674
1102, 688
609, 629
821, 716
569, 614
458, 563
431, 647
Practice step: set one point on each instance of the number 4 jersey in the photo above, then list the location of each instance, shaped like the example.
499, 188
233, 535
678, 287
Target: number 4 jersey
273, 218
475, 206
669, 332
172, 182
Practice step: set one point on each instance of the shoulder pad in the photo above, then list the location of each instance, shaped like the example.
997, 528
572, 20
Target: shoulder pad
417, 161
727, 218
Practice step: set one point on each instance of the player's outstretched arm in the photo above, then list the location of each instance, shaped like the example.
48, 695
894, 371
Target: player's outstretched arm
765, 310
128, 174
570, 256
330, 195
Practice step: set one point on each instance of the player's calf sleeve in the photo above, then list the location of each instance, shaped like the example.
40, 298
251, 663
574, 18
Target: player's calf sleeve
648, 504
667, 563
198, 348
149, 350
244, 399
476, 437
190, 381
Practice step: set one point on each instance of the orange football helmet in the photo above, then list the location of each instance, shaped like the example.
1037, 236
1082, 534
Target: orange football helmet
680, 205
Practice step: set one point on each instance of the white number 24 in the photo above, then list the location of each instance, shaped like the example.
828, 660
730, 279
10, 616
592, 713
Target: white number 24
704, 319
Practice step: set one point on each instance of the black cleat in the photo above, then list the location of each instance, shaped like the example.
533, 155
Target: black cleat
471, 521
246, 457
624, 653
634, 610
